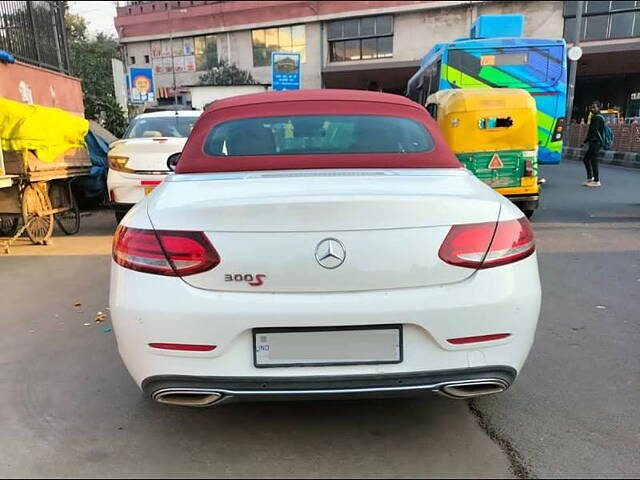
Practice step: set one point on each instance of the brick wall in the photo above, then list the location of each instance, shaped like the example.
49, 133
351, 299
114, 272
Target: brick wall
29, 84
627, 136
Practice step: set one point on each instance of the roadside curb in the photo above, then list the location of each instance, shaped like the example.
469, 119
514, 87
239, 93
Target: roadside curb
607, 157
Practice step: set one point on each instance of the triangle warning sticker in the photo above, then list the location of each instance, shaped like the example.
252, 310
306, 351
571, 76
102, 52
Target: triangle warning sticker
495, 162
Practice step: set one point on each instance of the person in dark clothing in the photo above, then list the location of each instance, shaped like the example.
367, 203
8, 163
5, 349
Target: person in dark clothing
374, 86
594, 142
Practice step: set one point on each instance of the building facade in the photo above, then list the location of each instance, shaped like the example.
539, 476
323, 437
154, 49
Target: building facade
609, 70
343, 44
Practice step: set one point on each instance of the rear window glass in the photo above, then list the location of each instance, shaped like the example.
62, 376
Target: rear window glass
317, 134
169, 126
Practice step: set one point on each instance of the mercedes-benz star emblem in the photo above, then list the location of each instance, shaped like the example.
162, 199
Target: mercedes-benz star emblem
330, 253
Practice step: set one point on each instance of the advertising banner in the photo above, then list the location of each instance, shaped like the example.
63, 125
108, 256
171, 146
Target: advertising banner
285, 71
141, 85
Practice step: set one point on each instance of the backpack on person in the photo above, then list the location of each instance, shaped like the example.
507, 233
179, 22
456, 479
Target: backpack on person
607, 136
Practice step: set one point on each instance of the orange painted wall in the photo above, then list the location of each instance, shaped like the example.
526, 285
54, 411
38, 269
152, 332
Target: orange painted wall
50, 89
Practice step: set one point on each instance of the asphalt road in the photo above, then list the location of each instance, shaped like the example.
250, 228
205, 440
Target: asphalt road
574, 411
69, 409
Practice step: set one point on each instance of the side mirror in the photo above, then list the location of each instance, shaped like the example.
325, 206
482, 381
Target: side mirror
172, 161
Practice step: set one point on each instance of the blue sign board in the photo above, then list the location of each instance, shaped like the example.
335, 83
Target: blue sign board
285, 71
141, 87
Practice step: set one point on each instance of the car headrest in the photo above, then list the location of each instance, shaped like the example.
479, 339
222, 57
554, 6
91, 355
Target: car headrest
152, 133
251, 140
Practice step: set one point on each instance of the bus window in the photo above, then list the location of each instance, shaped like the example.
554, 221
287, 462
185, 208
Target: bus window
432, 108
491, 122
554, 64
514, 67
434, 78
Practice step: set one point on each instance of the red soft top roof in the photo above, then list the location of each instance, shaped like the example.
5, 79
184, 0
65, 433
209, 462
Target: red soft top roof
324, 95
312, 102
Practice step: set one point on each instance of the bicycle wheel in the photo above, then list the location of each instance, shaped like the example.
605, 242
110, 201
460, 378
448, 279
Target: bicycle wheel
35, 208
8, 226
68, 221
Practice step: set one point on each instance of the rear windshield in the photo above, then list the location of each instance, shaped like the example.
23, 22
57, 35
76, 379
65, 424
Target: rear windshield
317, 134
169, 126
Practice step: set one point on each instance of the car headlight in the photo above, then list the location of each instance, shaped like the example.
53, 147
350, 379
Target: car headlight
118, 163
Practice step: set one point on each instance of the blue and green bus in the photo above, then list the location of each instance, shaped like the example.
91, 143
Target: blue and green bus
497, 56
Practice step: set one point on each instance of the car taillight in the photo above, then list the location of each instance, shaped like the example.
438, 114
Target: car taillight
528, 168
486, 245
119, 163
164, 252
557, 133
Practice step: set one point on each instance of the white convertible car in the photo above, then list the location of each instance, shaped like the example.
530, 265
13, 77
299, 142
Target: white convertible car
322, 244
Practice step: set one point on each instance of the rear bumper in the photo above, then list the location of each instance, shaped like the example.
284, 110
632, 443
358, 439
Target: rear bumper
153, 308
121, 207
525, 202
127, 189
461, 383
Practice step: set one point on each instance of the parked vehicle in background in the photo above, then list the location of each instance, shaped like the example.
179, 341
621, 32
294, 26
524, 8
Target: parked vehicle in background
322, 243
138, 162
493, 133
611, 116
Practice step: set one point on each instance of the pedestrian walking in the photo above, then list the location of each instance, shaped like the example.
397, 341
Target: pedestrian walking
595, 141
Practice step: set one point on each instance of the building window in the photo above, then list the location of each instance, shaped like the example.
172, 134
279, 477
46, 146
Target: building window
622, 5
622, 24
290, 39
132, 60
206, 51
569, 29
596, 6
361, 38
146, 59
595, 28
603, 20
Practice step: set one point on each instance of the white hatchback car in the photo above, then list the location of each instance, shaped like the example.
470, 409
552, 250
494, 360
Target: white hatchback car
138, 162
322, 244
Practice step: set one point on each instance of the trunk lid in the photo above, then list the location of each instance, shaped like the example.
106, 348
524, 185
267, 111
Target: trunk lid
148, 154
386, 225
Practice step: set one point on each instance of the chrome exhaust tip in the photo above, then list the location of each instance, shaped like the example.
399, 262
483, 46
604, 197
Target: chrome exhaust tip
474, 389
188, 398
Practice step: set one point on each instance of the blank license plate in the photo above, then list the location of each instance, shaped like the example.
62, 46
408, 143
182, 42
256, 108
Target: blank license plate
280, 347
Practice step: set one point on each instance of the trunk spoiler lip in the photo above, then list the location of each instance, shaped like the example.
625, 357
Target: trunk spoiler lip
329, 172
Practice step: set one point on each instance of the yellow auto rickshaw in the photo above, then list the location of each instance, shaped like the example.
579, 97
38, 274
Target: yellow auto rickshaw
494, 133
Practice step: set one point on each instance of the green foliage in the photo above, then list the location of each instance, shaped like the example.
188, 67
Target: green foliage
108, 112
224, 74
76, 28
91, 62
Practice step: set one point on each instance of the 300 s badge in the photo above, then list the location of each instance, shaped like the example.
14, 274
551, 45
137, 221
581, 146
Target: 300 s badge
255, 280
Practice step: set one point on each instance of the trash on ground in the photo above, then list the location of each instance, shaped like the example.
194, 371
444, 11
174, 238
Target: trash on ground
100, 317
87, 324
77, 304
106, 330
601, 307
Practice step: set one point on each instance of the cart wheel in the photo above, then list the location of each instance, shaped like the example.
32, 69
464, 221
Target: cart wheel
69, 221
8, 226
35, 204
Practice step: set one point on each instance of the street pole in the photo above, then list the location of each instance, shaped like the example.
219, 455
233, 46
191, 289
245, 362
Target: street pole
573, 65
173, 67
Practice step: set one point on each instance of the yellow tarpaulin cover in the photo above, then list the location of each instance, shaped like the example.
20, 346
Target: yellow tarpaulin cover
48, 131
